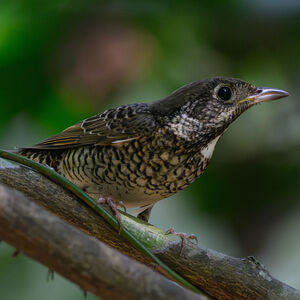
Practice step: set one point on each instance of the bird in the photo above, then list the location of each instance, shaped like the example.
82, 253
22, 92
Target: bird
135, 155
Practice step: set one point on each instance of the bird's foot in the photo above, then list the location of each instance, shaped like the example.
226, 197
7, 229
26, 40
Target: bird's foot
184, 238
113, 205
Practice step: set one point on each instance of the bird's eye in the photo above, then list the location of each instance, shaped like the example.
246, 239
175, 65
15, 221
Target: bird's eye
224, 93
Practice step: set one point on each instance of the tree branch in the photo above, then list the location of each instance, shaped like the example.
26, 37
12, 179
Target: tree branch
83, 259
221, 276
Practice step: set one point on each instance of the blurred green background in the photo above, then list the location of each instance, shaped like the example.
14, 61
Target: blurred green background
61, 61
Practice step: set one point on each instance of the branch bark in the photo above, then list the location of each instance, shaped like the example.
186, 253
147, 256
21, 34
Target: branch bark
83, 259
219, 275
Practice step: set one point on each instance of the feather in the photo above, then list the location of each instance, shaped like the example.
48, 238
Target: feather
112, 127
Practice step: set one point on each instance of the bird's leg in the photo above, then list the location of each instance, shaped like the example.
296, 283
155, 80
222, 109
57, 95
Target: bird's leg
145, 214
113, 205
184, 238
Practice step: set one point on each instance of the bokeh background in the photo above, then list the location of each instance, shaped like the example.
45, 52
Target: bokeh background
62, 61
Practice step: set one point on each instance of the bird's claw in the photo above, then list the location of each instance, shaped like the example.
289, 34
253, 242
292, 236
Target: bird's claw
113, 206
121, 203
184, 238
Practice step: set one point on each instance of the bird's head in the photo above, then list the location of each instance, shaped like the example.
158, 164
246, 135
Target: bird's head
204, 109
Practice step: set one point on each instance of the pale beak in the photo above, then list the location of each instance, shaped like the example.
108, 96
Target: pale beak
264, 94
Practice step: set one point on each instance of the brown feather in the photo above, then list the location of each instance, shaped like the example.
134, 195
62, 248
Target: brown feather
112, 127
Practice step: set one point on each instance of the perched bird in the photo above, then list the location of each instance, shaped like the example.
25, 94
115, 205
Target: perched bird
138, 154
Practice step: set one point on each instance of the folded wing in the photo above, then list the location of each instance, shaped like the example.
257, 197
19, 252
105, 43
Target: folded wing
112, 127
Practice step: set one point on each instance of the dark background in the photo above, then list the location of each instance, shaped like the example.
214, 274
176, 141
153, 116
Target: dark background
62, 61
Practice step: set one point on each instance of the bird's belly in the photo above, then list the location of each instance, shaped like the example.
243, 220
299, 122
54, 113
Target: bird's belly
137, 193
131, 199
136, 181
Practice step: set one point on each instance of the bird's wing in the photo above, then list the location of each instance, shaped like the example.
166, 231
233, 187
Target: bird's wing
112, 127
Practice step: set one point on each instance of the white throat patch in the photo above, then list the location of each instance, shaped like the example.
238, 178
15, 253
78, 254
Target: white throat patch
184, 125
209, 149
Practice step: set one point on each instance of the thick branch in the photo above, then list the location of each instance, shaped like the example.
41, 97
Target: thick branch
83, 259
221, 276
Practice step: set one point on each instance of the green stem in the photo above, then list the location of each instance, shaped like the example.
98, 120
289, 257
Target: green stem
50, 173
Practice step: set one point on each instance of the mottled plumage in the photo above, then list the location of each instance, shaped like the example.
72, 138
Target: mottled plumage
142, 153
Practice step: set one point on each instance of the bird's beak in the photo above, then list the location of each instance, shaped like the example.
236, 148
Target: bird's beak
264, 94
